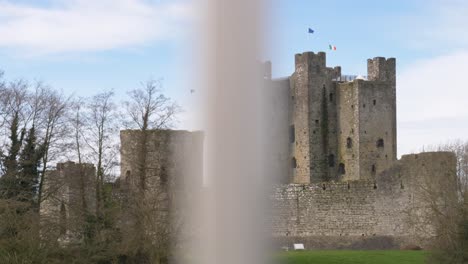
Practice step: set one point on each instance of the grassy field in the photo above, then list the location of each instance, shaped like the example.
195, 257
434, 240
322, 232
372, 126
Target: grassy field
352, 257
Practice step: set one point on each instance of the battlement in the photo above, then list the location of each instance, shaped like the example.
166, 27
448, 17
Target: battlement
72, 165
311, 60
381, 69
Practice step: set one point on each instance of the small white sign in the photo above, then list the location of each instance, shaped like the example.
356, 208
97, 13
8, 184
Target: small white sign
298, 246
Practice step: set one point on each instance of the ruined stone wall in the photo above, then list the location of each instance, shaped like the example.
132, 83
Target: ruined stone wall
170, 156
314, 117
301, 116
70, 193
376, 127
348, 126
386, 213
384, 70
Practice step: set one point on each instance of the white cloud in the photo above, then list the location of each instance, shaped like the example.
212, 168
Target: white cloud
439, 25
434, 88
432, 98
432, 93
87, 25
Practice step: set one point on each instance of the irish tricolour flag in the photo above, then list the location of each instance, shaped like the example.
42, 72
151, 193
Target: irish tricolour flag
332, 47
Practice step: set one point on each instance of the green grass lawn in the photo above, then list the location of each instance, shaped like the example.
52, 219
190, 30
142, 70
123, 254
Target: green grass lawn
352, 257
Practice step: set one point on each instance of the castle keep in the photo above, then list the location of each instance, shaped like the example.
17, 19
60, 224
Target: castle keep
339, 130
343, 186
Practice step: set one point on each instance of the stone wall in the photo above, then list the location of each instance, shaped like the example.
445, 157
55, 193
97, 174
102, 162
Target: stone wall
386, 213
168, 156
70, 195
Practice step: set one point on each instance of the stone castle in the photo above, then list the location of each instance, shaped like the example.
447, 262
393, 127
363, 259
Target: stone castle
345, 187
339, 130
339, 182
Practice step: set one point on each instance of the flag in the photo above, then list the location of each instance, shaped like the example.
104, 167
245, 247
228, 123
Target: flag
311, 30
332, 47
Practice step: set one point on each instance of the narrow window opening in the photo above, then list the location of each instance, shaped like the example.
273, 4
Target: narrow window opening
331, 160
349, 186
349, 143
380, 143
352, 106
341, 169
293, 163
375, 185
364, 105
163, 176
374, 102
324, 187
373, 169
316, 121
330, 96
63, 219
292, 134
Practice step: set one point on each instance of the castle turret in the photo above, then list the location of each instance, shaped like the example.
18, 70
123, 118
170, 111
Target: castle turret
314, 118
381, 69
367, 121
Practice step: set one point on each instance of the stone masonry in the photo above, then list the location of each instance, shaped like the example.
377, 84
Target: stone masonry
70, 197
343, 186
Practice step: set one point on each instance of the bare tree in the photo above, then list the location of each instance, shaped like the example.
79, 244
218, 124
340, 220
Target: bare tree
53, 127
149, 108
102, 126
447, 202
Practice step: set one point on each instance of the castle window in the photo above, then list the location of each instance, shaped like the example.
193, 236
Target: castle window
63, 219
330, 96
292, 134
373, 169
349, 143
331, 160
380, 143
341, 169
374, 102
163, 175
364, 105
293, 163
316, 121
352, 106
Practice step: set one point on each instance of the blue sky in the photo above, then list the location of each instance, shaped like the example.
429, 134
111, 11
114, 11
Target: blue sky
82, 46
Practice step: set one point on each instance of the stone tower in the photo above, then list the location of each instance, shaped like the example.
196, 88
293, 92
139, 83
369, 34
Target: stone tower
314, 118
169, 155
71, 196
367, 122
340, 127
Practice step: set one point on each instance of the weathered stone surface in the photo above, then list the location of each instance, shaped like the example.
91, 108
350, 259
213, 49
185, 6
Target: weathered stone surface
389, 210
70, 193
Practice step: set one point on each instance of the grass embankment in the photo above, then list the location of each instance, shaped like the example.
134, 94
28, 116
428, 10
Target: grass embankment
352, 257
